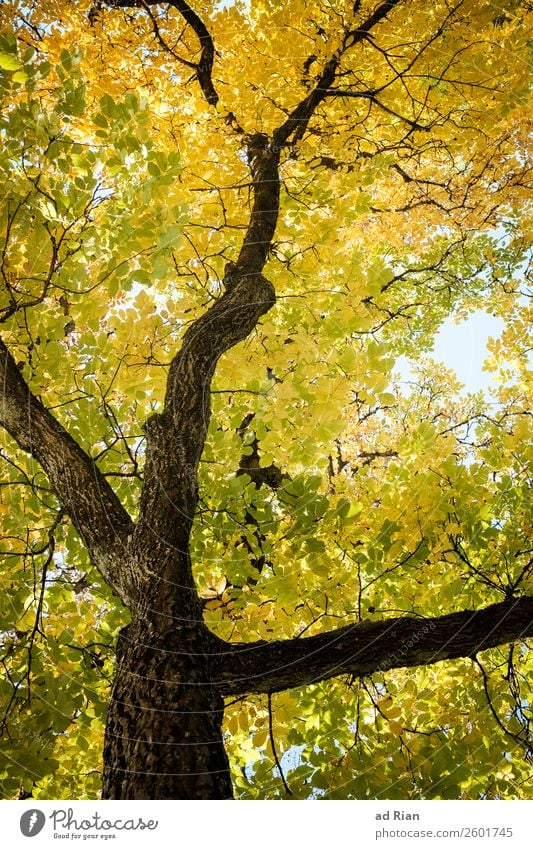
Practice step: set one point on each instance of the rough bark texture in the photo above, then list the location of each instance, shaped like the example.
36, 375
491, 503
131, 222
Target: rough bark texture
163, 736
175, 440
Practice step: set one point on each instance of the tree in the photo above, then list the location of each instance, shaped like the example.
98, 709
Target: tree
222, 226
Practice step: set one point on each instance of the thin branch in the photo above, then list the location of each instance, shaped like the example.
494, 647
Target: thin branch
288, 790
162, 42
524, 743
370, 95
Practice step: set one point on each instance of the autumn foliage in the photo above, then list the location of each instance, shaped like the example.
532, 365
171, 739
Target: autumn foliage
371, 161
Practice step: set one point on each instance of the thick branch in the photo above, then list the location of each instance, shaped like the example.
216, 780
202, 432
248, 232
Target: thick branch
205, 65
296, 124
82, 490
368, 647
263, 159
203, 69
175, 439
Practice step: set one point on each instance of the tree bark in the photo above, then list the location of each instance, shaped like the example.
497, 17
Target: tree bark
164, 737
368, 647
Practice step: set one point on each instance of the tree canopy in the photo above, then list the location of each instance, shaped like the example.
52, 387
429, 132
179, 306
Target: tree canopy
224, 227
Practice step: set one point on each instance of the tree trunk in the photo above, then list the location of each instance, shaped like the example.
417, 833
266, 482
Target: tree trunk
164, 726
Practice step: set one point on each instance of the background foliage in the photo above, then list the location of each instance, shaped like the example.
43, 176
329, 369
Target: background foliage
124, 196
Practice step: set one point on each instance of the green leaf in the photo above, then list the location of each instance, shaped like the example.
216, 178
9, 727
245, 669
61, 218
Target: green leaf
9, 62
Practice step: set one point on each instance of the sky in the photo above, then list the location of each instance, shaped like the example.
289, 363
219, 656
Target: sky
463, 348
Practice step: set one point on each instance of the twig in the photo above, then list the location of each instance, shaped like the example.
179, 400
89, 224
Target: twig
288, 790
